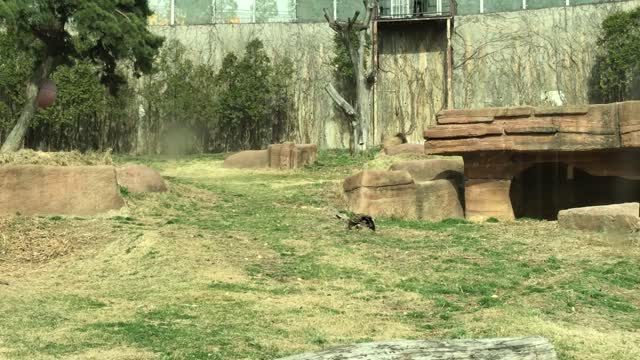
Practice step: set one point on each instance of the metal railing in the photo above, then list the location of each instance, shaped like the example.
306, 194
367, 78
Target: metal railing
399, 9
177, 12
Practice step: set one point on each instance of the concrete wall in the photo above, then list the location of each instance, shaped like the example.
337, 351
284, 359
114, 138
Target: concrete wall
411, 83
527, 57
533, 57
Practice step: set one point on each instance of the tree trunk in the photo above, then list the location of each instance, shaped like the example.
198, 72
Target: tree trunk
141, 130
14, 140
363, 80
363, 94
527, 348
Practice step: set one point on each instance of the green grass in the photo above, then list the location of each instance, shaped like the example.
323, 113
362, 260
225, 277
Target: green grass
232, 264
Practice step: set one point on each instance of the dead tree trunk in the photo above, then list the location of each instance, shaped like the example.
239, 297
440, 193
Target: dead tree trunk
13, 142
360, 113
527, 348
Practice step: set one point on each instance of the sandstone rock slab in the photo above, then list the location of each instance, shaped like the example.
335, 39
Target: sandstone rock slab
487, 198
432, 169
280, 155
303, 155
58, 190
377, 178
140, 179
417, 149
250, 159
438, 200
617, 217
396, 200
292, 156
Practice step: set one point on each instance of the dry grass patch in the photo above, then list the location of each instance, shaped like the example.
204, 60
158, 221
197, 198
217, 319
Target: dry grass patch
40, 239
70, 158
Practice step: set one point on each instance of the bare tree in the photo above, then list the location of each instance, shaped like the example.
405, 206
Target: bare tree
359, 113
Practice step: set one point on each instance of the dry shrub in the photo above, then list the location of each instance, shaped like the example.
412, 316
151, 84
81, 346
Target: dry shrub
70, 158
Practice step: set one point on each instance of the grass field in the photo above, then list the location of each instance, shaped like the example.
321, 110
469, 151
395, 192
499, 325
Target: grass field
236, 264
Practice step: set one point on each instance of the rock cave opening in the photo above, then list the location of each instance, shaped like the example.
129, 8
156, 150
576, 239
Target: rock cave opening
543, 189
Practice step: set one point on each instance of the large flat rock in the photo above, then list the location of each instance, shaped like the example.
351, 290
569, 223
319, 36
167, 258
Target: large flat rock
61, 190
618, 217
250, 159
377, 178
140, 179
486, 198
416, 149
397, 200
432, 169
438, 200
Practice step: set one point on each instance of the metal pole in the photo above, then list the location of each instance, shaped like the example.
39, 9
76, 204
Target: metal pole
215, 13
172, 12
482, 6
253, 12
524, 4
335, 9
449, 66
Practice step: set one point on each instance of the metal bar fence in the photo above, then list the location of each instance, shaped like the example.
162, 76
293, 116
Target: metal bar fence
188, 12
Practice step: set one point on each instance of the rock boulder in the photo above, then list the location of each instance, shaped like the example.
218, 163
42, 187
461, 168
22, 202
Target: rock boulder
618, 217
438, 200
417, 149
250, 159
58, 190
432, 169
140, 179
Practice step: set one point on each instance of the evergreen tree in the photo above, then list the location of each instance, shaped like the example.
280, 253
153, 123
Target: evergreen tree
61, 32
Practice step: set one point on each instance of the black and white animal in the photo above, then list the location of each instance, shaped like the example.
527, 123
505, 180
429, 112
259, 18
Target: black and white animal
358, 221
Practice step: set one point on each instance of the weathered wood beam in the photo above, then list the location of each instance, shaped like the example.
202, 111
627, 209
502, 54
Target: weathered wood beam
527, 348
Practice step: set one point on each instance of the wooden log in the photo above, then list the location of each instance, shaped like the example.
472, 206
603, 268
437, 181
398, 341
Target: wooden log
526, 348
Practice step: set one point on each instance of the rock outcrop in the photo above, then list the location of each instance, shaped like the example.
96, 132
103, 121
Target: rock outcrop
429, 189
617, 217
59, 190
276, 156
140, 179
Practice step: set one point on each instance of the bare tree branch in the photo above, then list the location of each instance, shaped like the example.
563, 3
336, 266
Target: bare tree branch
340, 101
